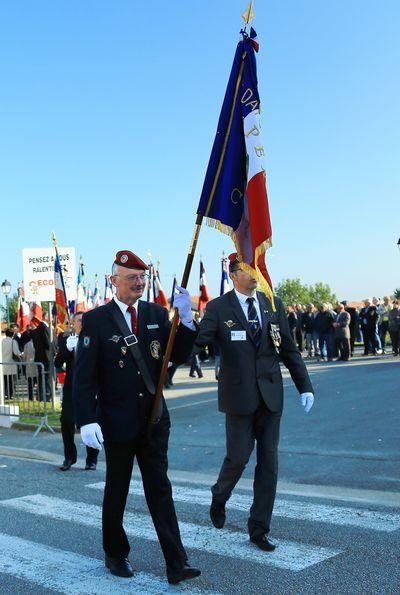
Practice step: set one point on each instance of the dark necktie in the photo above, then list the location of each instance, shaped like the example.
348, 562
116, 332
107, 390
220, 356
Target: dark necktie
132, 312
254, 322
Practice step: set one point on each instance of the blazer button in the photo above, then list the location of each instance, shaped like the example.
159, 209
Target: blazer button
141, 395
138, 372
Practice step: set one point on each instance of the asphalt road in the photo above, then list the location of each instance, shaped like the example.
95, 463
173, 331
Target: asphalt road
336, 521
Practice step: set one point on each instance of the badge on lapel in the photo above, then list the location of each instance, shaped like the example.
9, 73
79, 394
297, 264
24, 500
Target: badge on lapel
123, 350
155, 349
86, 341
115, 338
229, 323
121, 363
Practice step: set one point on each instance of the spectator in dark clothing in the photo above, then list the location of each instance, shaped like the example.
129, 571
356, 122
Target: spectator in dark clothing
342, 334
299, 331
369, 322
42, 345
308, 327
66, 353
394, 327
324, 326
292, 320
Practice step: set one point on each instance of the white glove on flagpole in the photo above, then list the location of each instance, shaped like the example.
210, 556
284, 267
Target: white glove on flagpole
72, 342
92, 436
306, 401
182, 302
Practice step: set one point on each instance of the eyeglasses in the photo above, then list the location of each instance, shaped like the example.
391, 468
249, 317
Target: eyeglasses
130, 278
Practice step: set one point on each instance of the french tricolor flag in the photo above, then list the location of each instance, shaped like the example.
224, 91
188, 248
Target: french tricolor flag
234, 196
159, 293
108, 294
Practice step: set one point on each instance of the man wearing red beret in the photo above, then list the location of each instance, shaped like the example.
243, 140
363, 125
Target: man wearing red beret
252, 339
119, 360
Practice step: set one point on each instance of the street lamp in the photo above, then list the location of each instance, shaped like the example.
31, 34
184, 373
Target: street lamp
6, 288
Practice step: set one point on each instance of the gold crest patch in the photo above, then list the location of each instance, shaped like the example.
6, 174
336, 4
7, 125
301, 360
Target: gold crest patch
155, 349
230, 323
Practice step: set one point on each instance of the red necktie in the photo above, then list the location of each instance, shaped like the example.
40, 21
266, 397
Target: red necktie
132, 312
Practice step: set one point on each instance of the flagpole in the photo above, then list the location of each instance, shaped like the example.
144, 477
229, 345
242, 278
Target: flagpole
175, 321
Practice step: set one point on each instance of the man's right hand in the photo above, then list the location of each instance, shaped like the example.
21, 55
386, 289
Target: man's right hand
92, 436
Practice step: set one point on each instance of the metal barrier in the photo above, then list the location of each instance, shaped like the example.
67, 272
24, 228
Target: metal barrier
27, 385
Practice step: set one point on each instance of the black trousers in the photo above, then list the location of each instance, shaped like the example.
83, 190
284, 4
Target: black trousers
152, 459
342, 348
395, 338
68, 433
195, 366
242, 431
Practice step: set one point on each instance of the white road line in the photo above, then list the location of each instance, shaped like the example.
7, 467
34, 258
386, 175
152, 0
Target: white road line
71, 573
289, 555
292, 509
191, 404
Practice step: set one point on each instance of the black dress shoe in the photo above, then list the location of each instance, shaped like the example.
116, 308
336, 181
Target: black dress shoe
90, 466
67, 464
263, 543
184, 573
119, 566
217, 513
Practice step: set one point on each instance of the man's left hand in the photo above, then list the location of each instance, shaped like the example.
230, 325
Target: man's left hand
182, 302
307, 401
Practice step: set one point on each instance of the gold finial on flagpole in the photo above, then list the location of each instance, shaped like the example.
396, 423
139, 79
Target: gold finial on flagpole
54, 239
248, 14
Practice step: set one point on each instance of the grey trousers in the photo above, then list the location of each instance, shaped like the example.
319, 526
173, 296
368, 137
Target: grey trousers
242, 431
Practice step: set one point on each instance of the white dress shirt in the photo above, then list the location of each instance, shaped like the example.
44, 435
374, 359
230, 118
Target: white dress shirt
245, 306
127, 315
124, 309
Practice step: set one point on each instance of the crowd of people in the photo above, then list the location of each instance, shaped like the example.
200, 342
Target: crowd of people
327, 333
21, 354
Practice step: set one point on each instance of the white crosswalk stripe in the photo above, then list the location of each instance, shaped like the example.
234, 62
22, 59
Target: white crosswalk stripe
79, 575
292, 509
289, 555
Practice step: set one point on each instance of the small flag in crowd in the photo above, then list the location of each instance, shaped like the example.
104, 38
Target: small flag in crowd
89, 299
159, 293
171, 299
80, 305
97, 301
225, 287
108, 294
150, 284
234, 196
204, 296
36, 313
61, 297
23, 311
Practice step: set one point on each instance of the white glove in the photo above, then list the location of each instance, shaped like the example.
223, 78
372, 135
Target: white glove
92, 436
72, 342
182, 302
307, 401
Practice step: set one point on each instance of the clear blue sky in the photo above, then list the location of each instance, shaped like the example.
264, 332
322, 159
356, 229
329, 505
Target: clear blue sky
109, 110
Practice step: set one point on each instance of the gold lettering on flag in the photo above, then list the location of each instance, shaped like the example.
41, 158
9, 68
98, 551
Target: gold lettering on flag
259, 151
254, 131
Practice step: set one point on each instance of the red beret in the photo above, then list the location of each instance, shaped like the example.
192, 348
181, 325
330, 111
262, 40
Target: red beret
129, 260
233, 262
